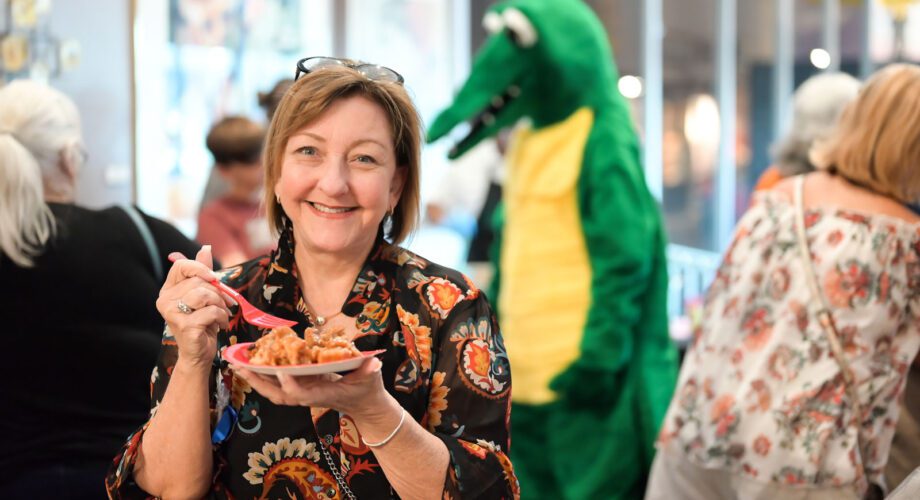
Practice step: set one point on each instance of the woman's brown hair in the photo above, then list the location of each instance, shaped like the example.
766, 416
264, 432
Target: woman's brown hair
309, 98
877, 141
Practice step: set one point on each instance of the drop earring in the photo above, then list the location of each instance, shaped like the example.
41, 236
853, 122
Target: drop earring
387, 224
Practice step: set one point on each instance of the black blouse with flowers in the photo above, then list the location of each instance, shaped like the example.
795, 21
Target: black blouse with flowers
444, 363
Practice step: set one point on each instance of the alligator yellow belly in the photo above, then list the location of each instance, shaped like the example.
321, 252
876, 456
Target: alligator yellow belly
545, 271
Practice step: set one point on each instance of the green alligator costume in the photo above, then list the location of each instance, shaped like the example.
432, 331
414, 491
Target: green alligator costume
582, 267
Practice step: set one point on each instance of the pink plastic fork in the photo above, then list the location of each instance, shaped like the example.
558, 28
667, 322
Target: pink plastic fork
251, 313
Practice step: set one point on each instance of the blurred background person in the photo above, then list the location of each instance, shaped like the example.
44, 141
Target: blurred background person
817, 105
216, 186
270, 100
466, 198
777, 399
78, 299
234, 223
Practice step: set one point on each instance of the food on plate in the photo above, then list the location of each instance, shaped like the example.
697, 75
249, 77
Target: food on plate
282, 347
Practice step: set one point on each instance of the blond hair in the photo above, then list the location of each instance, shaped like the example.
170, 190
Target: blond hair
38, 127
309, 97
877, 141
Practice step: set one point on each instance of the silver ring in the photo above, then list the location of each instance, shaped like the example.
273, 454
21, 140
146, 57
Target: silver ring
183, 307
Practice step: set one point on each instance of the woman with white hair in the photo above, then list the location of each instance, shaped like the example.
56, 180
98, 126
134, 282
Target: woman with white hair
77, 300
817, 105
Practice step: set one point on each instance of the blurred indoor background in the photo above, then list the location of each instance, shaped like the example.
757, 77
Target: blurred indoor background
710, 83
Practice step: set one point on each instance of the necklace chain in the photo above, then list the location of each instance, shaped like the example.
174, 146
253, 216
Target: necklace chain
318, 320
321, 320
335, 471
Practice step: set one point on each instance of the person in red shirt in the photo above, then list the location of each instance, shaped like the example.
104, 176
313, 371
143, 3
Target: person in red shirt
234, 223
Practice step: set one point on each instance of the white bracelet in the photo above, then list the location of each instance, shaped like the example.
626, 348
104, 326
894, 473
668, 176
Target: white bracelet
388, 438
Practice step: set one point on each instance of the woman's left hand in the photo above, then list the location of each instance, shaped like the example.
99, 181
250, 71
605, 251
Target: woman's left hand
358, 393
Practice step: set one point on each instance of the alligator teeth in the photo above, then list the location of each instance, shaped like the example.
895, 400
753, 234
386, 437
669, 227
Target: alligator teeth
488, 119
497, 101
513, 91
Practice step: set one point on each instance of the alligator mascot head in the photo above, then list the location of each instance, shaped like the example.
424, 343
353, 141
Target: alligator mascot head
544, 60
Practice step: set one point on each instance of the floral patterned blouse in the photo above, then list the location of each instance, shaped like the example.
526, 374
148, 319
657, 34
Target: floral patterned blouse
760, 392
444, 362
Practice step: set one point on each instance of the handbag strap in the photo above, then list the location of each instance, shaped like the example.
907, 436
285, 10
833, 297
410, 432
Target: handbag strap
147, 236
825, 318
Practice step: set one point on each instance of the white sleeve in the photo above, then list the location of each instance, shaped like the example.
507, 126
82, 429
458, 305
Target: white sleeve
465, 183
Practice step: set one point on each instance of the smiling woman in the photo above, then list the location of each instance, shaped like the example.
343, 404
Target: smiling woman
339, 179
342, 190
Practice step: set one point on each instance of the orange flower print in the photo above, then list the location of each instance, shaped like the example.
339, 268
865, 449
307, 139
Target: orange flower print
472, 291
480, 359
749, 469
480, 369
835, 238
731, 307
801, 315
757, 327
403, 257
812, 218
779, 283
437, 400
688, 394
884, 287
474, 449
375, 317
721, 407
418, 338
760, 394
762, 445
722, 415
848, 285
784, 363
707, 388
737, 357
443, 296
849, 339
239, 389
857, 218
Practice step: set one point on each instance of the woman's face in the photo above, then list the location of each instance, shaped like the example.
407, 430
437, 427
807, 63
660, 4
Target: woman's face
339, 177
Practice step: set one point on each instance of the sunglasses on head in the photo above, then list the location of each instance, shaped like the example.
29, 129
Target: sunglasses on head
370, 71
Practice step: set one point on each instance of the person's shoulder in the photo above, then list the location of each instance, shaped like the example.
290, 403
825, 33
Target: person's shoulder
440, 281
768, 179
822, 189
167, 236
215, 208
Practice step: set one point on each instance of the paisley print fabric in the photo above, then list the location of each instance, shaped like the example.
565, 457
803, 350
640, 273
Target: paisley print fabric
444, 362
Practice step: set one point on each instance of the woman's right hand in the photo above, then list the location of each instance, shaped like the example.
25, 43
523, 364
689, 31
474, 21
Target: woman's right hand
196, 331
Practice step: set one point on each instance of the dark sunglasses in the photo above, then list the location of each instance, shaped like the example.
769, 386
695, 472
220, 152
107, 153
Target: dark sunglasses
370, 71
